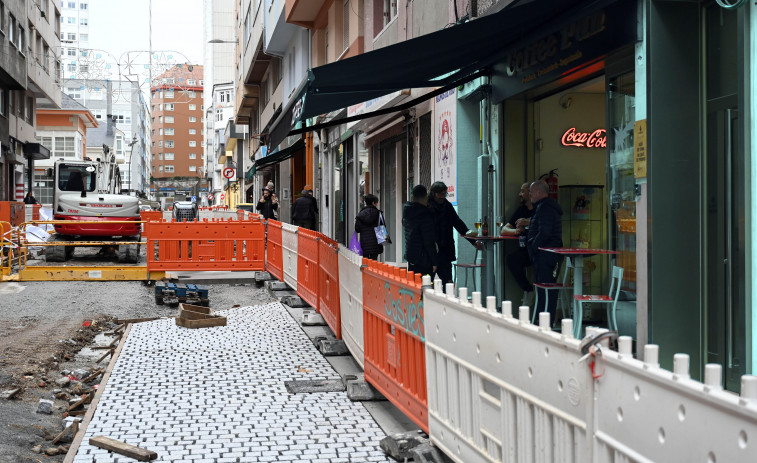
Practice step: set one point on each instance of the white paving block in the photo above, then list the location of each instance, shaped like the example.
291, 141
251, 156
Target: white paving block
217, 394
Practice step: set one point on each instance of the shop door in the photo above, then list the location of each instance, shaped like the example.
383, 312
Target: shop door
724, 267
392, 193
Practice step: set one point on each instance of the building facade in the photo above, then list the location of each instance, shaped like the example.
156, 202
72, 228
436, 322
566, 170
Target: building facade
74, 38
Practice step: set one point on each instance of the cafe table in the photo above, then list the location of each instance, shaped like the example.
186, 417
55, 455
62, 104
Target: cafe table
577, 255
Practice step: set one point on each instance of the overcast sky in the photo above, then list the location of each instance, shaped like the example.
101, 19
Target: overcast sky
117, 26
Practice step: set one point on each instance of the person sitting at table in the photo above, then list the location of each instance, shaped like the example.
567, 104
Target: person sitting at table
545, 231
446, 220
518, 260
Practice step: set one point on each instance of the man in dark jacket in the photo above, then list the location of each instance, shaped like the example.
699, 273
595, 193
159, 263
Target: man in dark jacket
303, 214
446, 220
267, 205
421, 250
545, 231
365, 222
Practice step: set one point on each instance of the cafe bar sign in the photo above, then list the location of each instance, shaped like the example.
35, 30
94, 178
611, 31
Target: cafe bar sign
594, 139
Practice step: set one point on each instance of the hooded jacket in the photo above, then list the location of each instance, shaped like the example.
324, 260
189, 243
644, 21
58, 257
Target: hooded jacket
545, 230
420, 235
365, 221
267, 208
446, 220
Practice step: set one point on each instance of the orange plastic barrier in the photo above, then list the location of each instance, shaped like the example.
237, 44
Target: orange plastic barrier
151, 216
394, 338
35, 211
206, 245
307, 266
328, 284
274, 262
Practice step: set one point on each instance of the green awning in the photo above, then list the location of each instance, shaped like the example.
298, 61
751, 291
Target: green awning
275, 158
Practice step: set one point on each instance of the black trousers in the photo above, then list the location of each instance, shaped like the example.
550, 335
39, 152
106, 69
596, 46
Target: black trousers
546, 265
423, 270
371, 256
517, 262
444, 271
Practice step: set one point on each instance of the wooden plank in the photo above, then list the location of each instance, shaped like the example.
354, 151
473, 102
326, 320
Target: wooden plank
138, 453
213, 320
74, 427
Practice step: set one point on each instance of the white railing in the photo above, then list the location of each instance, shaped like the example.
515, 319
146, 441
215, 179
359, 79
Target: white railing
289, 254
351, 301
503, 390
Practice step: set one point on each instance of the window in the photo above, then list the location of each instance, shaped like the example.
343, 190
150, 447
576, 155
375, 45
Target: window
169, 119
71, 20
192, 119
390, 11
193, 168
11, 102
71, 36
192, 155
169, 156
3, 103
160, 119
153, 145
192, 94
72, 67
84, 21
160, 168
169, 130
160, 157
12, 29
169, 106
20, 105
2, 16
192, 144
72, 5
84, 68
62, 147
160, 131
193, 131
168, 94
346, 24
191, 82
248, 25
30, 110
83, 6
71, 52
192, 107
169, 143
160, 144
43, 188
83, 37
169, 168
225, 96
73, 92
219, 115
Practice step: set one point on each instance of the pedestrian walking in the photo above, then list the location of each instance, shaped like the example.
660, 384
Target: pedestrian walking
366, 222
446, 220
421, 250
29, 198
315, 207
303, 212
268, 205
545, 231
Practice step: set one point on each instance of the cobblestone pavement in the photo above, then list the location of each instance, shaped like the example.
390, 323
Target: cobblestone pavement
217, 395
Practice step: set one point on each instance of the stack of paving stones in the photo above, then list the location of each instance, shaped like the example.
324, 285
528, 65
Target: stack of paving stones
217, 395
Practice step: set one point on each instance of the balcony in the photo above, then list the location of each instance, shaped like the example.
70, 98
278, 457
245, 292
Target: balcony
304, 12
246, 100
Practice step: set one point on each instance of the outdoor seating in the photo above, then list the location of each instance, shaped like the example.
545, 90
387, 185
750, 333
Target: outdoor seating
466, 267
558, 287
611, 300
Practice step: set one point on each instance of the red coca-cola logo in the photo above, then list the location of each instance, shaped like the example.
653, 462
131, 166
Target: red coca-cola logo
595, 139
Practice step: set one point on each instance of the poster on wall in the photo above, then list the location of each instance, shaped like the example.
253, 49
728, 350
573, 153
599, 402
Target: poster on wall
445, 137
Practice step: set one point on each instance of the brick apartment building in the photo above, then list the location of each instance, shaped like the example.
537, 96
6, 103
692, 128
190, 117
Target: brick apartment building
177, 131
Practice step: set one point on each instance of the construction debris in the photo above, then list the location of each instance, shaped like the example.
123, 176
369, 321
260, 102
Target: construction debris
10, 393
138, 453
194, 316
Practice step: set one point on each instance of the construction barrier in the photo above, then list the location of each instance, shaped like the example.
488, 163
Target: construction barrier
351, 301
328, 284
289, 256
32, 212
307, 266
394, 336
502, 389
206, 245
273, 262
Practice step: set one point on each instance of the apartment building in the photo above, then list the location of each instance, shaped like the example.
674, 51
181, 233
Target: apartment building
74, 38
177, 128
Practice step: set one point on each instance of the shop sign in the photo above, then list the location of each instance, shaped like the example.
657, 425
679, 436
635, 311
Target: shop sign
445, 138
640, 149
595, 139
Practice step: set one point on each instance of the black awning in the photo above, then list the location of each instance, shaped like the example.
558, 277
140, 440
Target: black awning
36, 151
278, 156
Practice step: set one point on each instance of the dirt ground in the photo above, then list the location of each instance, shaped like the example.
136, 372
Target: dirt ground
47, 329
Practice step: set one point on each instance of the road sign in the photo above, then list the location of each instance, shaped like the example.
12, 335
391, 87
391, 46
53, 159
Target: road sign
210, 196
223, 196
229, 172
194, 199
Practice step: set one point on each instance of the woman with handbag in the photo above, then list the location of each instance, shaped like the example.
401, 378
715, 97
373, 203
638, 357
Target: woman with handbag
367, 223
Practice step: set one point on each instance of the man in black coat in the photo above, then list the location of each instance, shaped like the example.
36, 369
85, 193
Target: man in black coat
421, 250
267, 205
303, 214
365, 222
446, 220
545, 231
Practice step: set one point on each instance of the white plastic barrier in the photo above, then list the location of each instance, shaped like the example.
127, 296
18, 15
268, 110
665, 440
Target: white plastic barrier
351, 301
289, 254
504, 390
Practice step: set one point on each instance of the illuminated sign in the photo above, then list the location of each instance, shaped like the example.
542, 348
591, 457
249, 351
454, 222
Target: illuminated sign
595, 139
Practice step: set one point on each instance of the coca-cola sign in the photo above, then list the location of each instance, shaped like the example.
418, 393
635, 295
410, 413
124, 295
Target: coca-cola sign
595, 139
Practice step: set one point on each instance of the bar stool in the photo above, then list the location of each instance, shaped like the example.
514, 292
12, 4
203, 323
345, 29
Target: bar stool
547, 287
610, 299
467, 267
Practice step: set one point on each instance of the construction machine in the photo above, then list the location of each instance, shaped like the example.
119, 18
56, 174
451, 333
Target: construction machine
87, 191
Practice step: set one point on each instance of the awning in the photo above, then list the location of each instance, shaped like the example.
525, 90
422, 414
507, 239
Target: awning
277, 157
36, 151
443, 58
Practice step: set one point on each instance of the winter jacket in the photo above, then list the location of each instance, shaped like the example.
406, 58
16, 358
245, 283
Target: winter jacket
267, 208
446, 220
303, 209
365, 221
545, 230
420, 235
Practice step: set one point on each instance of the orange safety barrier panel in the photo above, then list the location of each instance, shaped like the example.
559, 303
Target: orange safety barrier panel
394, 338
35, 211
307, 266
149, 216
206, 245
274, 261
328, 284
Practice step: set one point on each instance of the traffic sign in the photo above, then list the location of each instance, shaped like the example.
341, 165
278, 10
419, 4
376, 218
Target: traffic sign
223, 196
210, 196
229, 172
194, 199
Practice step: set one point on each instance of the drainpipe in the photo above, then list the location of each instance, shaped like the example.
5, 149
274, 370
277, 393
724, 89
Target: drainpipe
486, 174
